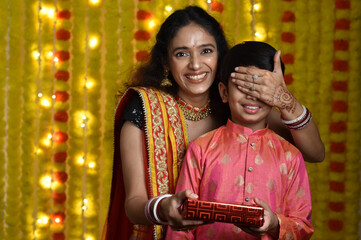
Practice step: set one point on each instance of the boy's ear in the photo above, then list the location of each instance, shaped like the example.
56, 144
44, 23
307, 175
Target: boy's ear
223, 92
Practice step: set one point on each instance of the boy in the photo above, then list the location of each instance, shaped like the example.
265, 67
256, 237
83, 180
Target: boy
245, 162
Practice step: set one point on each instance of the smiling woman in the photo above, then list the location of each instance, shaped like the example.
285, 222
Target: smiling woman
193, 63
173, 100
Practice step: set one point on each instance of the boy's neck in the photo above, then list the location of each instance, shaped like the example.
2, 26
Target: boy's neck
254, 126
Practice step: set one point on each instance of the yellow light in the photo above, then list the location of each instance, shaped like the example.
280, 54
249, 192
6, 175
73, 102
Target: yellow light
151, 24
83, 123
91, 165
39, 151
83, 207
40, 95
50, 12
45, 181
45, 102
93, 42
89, 237
36, 55
46, 142
50, 136
56, 60
94, 2
168, 8
80, 160
257, 7
57, 220
209, 1
49, 55
43, 221
89, 84
260, 34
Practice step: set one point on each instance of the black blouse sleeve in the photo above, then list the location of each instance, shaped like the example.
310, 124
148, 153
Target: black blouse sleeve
133, 112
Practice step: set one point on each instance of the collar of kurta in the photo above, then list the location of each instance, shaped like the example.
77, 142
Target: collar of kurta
236, 128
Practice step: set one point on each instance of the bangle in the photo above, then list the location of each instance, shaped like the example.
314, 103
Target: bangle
148, 215
155, 208
301, 122
287, 122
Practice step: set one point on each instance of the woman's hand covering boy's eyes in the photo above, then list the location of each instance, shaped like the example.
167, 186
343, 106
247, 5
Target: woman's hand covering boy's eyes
268, 87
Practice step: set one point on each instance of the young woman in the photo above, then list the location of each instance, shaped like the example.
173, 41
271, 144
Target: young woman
174, 102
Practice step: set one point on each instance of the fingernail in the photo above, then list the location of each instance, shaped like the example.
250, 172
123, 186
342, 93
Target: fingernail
233, 80
193, 195
233, 74
236, 68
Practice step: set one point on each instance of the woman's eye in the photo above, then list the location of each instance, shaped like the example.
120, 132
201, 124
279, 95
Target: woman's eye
207, 50
181, 54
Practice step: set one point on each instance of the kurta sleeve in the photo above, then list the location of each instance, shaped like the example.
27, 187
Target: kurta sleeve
295, 222
191, 171
189, 178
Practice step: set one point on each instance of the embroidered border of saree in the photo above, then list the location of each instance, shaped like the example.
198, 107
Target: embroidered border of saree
167, 141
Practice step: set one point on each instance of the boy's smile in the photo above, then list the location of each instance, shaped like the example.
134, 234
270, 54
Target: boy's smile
245, 110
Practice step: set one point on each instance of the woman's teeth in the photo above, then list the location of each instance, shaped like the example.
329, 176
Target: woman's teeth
196, 77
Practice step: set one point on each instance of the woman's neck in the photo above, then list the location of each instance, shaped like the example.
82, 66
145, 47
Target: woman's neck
195, 101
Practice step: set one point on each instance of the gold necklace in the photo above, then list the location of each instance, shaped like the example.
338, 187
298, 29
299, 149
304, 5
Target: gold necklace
194, 113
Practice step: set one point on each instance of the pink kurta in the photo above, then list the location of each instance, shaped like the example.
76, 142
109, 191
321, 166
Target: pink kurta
233, 164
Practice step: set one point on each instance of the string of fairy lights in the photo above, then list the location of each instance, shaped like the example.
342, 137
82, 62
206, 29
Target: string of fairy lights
43, 143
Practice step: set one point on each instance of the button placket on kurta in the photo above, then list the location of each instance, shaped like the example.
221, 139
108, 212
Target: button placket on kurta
249, 169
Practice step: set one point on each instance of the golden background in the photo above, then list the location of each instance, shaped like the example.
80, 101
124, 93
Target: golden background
62, 62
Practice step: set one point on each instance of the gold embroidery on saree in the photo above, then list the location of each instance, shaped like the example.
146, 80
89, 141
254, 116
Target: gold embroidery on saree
160, 151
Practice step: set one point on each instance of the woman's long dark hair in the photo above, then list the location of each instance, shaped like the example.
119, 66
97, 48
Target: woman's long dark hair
150, 74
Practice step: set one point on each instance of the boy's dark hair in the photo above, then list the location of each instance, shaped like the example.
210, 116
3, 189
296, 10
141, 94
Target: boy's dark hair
248, 53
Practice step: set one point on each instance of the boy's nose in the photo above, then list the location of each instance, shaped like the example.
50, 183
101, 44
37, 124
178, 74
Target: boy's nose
251, 97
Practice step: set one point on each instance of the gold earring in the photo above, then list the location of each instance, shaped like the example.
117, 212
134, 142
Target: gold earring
166, 82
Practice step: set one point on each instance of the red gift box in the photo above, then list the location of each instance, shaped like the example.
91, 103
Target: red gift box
248, 215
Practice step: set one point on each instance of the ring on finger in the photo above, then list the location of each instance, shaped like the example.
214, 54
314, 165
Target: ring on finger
252, 88
254, 77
